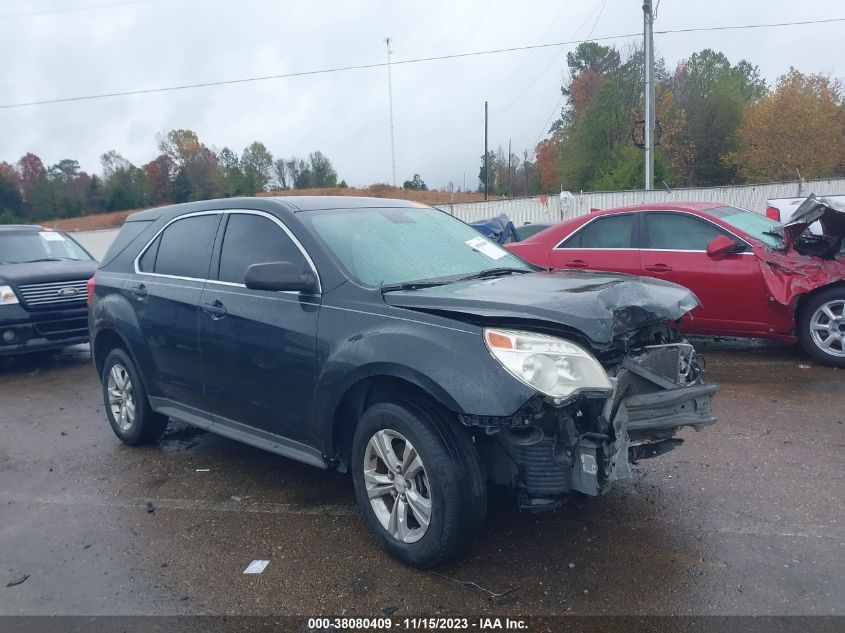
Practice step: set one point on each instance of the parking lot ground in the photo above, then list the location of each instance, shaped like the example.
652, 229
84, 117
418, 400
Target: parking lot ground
745, 518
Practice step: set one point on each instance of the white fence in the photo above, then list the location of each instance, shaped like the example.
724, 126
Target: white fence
552, 209
96, 242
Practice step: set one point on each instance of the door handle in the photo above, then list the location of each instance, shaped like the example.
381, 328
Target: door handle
576, 263
215, 309
139, 290
659, 268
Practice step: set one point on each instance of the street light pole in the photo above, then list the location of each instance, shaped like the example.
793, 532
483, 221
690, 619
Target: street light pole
648, 132
390, 99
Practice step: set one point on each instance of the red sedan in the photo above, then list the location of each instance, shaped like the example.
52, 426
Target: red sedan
753, 276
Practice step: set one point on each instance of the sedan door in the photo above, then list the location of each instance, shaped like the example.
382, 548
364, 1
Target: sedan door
605, 243
732, 291
260, 346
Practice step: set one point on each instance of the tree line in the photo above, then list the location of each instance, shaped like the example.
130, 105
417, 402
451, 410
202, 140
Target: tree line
185, 169
719, 123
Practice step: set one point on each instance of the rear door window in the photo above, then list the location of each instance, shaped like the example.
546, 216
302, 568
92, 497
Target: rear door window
253, 239
613, 231
678, 232
184, 248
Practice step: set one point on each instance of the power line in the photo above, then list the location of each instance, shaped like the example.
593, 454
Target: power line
560, 98
600, 8
89, 7
524, 59
749, 26
419, 60
305, 73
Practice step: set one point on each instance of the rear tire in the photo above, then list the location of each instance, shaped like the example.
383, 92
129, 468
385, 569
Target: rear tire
418, 480
127, 407
821, 326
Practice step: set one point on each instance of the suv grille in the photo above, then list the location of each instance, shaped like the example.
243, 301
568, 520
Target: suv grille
58, 293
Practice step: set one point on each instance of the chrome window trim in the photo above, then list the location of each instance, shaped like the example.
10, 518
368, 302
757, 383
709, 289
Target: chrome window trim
262, 214
662, 250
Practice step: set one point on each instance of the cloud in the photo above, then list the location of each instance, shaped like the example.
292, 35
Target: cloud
438, 106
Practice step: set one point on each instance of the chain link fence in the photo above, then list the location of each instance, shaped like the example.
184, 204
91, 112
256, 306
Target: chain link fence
553, 209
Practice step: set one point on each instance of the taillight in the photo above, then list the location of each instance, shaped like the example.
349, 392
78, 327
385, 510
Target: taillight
773, 213
92, 283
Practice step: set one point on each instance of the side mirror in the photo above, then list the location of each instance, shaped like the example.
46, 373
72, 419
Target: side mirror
279, 276
720, 247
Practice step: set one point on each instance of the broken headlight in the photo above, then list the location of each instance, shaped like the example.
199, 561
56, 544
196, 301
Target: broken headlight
551, 365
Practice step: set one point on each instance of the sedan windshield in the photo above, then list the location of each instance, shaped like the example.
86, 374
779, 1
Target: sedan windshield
21, 247
755, 225
396, 246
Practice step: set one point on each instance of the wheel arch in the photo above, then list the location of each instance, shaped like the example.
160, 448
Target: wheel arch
104, 342
802, 299
376, 384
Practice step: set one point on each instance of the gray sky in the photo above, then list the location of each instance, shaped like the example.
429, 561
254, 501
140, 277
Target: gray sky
438, 106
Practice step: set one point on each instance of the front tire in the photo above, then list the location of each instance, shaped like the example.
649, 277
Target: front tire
129, 412
418, 480
821, 326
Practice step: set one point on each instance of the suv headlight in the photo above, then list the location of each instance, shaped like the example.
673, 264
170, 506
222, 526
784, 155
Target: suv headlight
7, 296
551, 365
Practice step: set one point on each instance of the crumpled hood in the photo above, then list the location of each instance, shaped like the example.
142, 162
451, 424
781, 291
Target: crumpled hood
599, 305
42, 272
830, 214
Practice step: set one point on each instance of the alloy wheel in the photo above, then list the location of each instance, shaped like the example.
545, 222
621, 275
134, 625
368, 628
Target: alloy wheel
121, 397
397, 486
827, 328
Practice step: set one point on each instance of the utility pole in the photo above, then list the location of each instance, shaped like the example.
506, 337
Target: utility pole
509, 168
648, 131
486, 161
390, 99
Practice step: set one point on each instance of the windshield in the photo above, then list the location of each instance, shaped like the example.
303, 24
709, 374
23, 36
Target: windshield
404, 245
19, 247
755, 225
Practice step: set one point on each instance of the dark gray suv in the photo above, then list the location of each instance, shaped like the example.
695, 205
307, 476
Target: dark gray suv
390, 340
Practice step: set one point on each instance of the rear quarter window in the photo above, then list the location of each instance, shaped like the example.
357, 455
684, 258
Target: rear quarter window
128, 233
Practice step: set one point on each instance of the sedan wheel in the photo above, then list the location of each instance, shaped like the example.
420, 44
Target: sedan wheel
827, 328
397, 486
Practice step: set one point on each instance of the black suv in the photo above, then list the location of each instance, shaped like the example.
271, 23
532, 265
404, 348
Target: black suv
390, 339
42, 290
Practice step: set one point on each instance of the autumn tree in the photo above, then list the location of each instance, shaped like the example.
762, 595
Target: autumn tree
798, 128
33, 178
159, 174
197, 166
11, 202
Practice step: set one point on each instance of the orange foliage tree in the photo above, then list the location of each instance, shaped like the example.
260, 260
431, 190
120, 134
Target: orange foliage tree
800, 126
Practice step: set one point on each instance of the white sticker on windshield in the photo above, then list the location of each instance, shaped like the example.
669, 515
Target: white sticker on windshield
486, 248
50, 236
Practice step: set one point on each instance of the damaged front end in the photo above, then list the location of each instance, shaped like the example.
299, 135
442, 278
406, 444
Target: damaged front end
552, 447
813, 254
830, 214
